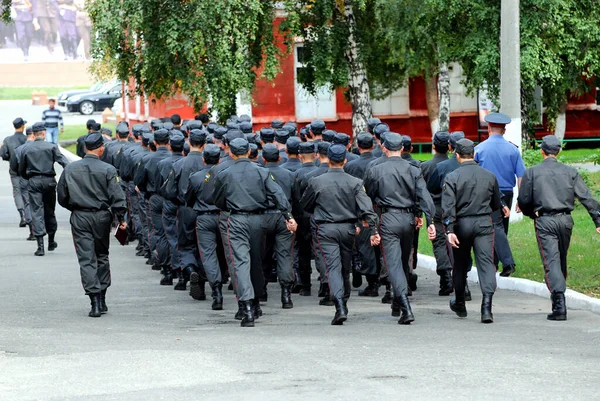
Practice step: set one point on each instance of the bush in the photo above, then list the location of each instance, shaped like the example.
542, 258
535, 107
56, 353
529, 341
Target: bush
531, 157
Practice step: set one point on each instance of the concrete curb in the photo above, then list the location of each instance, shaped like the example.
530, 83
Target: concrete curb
71, 157
575, 300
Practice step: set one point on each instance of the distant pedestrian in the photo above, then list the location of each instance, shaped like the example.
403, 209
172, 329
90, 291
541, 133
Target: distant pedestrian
24, 21
53, 120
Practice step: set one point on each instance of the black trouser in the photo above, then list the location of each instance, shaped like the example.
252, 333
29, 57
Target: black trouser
186, 238
397, 229
91, 236
477, 233
143, 210
279, 241
319, 263
501, 246
367, 255
304, 241
334, 249
42, 200
553, 237
440, 245
210, 245
169, 220
162, 245
245, 239
134, 210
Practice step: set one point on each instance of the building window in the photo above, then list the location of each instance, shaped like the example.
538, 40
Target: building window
395, 104
309, 107
459, 101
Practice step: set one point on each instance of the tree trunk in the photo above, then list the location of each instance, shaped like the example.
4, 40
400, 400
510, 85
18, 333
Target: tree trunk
561, 123
433, 104
358, 85
444, 96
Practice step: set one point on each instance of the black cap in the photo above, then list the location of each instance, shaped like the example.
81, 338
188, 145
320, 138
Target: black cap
328, 135
19, 122
551, 144
122, 130
93, 140
317, 127
176, 139
393, 141
292, 145
380, 129
251, 138
465, 147
497, 119
364, 140
291, 129
245, 118
233, 134
88, 123
341, 139
38, 127
197, 137
147, 138
232, 124
372, 123
211, 153
176, 119
441, 138
220, 132
161, 135
96, 127
455, 137
276, 124
246, 127
106, 131
190, 125
239, 146
281, 136
336, 153
270, 153
267, 134
136, 130
156, 124
406, 143
306, 148
168, 126
323, 147
211, 127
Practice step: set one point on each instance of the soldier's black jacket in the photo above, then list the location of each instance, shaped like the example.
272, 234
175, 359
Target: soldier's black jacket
357, 167
284, 178
9, 145
337, 197
177, 183
112, 150
199, 192
145, 176
551, 187
14, 161
163, 171
398, 184
442, 169
299, 177
127, 160
469, 191
90, 184
38, 158
407, 156
246, 187
292, 164
376, 162
377, 151
428, 168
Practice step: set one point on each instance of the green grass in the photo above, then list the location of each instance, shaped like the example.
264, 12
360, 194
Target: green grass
578, 155
584, 253
75, 131
24, 93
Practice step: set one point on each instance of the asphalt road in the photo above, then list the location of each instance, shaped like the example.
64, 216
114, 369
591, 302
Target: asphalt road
159, 344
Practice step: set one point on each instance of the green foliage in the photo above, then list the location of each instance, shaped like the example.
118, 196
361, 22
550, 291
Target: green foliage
531, 157
5, 11
206, 50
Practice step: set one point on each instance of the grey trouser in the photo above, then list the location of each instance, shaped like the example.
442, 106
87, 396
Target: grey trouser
209, 245
367, 254
440, 245
554, 236
334, 249
304, 245
134, 209
169, 220
279, 241
17, 186
158, 231
319, 263
397, 230
145, 223
501, 245
477, 233
91, 236
186, 237
25, 196
42, 200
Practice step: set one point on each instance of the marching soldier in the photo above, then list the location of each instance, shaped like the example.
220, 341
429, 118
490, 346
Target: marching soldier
7, 152
14, 166
90, 189
292, 148
551, 210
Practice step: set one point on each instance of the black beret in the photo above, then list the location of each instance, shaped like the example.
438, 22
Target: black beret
276, 124
406, 142
317, 126
245, 117
88, 123
212, 153
246, 127
96, 127
372, 123
465, 147
267, 134
147, 137
380, 129
197, 137
292, 145
211, 127
336, 153
441, 138
93, 140
281, 136
306, 148
328, 135
270, 153
364, 140
234, 134
322, 147
19, 122
161, 135
498, 119
177, 139
220, 132
239, 146
551, 144
176, 119
253, 151
38, 127
393, 141
341, 139
455, 137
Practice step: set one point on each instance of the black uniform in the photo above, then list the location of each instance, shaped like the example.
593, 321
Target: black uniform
7, 152
292, 164
90, 189
169, 210
14, 166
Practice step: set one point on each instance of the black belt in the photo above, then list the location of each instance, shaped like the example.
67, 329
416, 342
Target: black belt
385, 209
353, 221
208, 212
542, 213
40, 175
247, 213
272, 211
81, 209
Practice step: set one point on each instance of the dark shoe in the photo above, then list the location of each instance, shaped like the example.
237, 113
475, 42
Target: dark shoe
508, 270
468, 296
181, 284
248, 311
356, 280
95, 301
371, 290
286, 297
340, 313
230, 286
257, 310
167, 276
264, 297
326, 301
31, 237
486, 309
103, 307
140, 252
156, 265
387, 297
40, 248
559, 307
446, 287
22, 223
296, 288
240, 312
406, 316
395, 308
412, 281
217, 296
52, 245
197, 291
323, 290
304, 292
458, 307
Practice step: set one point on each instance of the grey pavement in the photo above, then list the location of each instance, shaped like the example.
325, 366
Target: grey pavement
159, 344
23, 108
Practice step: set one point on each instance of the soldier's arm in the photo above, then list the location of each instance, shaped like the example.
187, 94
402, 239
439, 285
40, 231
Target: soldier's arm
190, 192
59, 157
62, 191
141, 176
276, 195
497, 197
309, 199
449, 205
4, 151
587, 200
117, 197
365, 208
425, 200
371, 186
219, 192
23, 166
525, 198
434, 185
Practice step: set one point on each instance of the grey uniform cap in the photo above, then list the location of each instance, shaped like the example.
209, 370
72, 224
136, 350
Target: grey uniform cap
465, 147
455, 137
364, 140
336, 153
323, 147
239, 146
93, 140
306, 148
161, 135
551, 144
38, 127
498, 119
341, 139
292, 145
281, 136
441, 138
393, 141
270, 153
329, 135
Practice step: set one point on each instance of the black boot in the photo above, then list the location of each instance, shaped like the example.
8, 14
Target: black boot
356, 279
40, 248
184, 277
140, 252
395, 307
508, 270
95, 301
248, 311
468, 296
559, 307
52, 245
264, 296
322, 290
31, 236
445, 283
297, 288
257, 310
371, 290
167, 276
240, 312
22, 223
155, 264
340, 313
286, 297
217, 295
304, 291
387, 297
406, 316
326, 300
412, 281
486, 309
103, 307
197, 285
457, 305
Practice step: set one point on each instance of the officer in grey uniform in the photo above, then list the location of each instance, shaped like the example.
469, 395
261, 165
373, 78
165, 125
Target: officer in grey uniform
551, 210
37, 166
371, 124
344, 140
400, 193
244, 190
470, 195
338, 202
292, 148
281, 137
14, 166
90, 189
7, 152
440, 251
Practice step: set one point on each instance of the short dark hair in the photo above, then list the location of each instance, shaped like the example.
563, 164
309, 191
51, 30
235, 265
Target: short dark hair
336, 164
441, 148
469, 155
158, 143
202, 117
551, 152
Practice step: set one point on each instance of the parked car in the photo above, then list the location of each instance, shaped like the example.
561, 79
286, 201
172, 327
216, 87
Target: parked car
63, 96
89, 102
